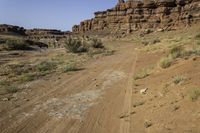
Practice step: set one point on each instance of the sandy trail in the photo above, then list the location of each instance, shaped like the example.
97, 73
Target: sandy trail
87, 101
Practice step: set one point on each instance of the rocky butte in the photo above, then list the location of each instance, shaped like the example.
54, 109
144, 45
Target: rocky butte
133, 15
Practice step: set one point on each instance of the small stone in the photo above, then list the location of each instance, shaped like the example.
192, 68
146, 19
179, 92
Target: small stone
123, 115
147, 124
26, 100
175, 108
5, 99
194, 59
160, 30
133, 112
143, 91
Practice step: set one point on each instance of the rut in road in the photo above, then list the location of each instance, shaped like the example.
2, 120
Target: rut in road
52, 100
126, 120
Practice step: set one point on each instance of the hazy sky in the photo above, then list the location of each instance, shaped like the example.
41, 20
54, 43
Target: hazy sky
56, 14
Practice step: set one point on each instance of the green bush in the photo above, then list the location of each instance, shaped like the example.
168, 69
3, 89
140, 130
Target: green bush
198, 36
27, 77
108, 52
176, 52
195, 94
4, 83
11, 89
178, 79
46, 66
82, 45
70, 67
165, 62
143, 73
96, 43
19, 44
75, 45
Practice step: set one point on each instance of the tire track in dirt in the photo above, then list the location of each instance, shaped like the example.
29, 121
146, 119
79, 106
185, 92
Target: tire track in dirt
106, 113
82, 81
125, 117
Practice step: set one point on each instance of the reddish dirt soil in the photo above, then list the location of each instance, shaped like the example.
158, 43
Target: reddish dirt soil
104, 98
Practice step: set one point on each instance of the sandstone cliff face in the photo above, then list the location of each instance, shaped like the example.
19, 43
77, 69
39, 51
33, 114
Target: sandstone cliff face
4, 28
132, 15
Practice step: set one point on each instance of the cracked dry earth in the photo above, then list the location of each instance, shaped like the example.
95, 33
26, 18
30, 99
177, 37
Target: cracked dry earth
88, 101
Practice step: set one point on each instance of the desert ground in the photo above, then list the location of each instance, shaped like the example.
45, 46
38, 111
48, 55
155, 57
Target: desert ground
129, 90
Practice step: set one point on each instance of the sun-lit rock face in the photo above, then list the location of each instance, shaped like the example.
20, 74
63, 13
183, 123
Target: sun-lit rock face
133, 15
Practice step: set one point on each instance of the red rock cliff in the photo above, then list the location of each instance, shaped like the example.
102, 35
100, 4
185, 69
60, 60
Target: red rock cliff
133, 15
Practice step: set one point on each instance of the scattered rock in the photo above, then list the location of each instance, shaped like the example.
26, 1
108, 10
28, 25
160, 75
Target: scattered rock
148, 124
155, 41
5, 99
143, 91
133, 112
176, 107
26, 99
94, 79
138, 104
194, 58
160, 30
124, 115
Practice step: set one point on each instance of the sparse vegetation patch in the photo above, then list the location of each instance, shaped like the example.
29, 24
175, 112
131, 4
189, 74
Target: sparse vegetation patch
198, 36
20, 44
11, 89
75, 45
178, 79
177, 52
143, 73
166, 62
70, 67
195, 94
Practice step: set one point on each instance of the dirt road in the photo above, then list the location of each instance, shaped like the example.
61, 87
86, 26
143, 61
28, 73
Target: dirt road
96, 99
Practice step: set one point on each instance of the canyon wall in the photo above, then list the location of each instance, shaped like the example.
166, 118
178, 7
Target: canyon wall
133, 15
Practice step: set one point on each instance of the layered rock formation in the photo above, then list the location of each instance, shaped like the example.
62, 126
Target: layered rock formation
46, 33
4, 28
33, 33
132, 15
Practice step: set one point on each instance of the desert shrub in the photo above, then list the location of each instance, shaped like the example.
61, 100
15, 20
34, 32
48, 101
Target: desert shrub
4, 83
70, 67
195, 94
166, 62
75, 45
96, 43
108, 52
11, 89
190, 53
27, 77
198, 36
176, 52
46, 66
143, 73
20, 68
145, 43
156, 41
2, 41
19, 44
82, 45
178, 79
